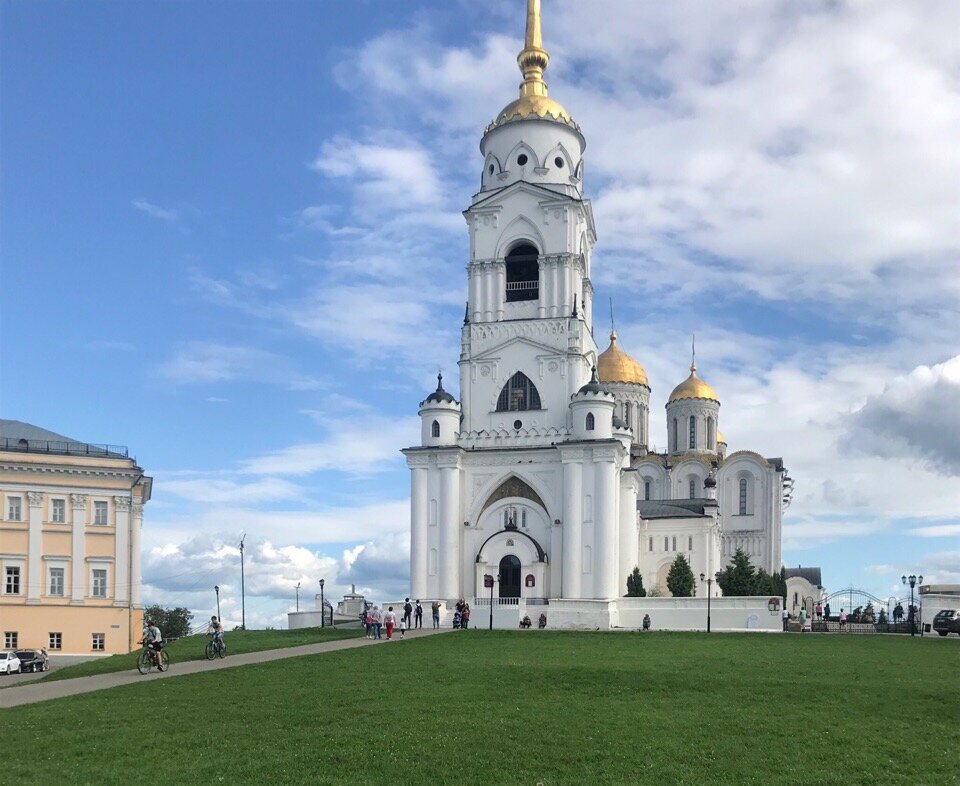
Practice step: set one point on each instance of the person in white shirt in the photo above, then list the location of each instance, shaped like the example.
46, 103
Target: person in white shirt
390, 620
377, 616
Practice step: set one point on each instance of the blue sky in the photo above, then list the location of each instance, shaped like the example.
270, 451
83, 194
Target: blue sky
230, 240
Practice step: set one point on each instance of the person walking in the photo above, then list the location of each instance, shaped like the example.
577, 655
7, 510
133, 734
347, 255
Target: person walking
818, 610
803, 618
435, 608
407, 612
786, 619
369, 623
403, 627
418, 615
843, 620
390, 620
826, 611
377, 616
465, 616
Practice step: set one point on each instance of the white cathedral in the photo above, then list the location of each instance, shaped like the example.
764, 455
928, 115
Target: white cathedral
543, 475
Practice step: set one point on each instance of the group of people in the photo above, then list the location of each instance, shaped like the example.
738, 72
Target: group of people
376, 620
820, 612
461, 615
526, 623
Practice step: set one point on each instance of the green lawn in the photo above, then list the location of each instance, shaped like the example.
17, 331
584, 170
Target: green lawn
526, 708
194, 647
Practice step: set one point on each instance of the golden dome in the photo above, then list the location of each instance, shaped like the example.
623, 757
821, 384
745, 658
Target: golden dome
615, 365
721, 440
693, 387
524, 107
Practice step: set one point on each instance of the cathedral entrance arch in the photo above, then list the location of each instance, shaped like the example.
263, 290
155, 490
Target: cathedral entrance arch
510, 577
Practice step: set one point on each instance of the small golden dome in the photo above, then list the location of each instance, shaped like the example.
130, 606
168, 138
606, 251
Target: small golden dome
693, 387
615, 365
721, 440
525, 107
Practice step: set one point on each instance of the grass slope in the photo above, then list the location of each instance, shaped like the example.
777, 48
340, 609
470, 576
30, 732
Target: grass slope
519, 707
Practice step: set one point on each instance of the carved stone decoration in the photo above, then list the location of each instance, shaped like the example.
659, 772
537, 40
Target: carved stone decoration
35, 498
137, 510
122, 503
513, 487
78, 500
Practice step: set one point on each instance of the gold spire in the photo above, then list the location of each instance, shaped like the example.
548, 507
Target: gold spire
533, 60
615, 365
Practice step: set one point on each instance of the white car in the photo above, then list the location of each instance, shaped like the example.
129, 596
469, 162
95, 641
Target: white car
9, 663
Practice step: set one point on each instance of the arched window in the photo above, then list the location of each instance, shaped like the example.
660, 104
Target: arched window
676, 435
743, 496
674, 542
711, 434
518, 394
689, 542
693, 432
666, 543
523, 273
435, 429
646, 489
590, 421
651, 544
693, 488
627, 412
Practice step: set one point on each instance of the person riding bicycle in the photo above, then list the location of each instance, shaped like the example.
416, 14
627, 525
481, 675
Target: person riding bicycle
153, 640
215, 629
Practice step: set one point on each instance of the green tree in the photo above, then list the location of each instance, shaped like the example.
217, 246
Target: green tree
738, 578
763, 583
635, 585
173, 623
680, 579
883, 617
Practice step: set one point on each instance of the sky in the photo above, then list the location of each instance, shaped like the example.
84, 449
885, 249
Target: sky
231, 240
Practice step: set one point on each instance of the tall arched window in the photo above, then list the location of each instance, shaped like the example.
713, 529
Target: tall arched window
711, 434
646, 489
693, 432
435, 429
743, 496
590, 421
523, 273
627, 413
693, 488
676, 435
518, 394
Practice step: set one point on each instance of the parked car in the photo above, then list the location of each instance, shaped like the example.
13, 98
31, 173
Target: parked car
947, 621
9, 663
32, 660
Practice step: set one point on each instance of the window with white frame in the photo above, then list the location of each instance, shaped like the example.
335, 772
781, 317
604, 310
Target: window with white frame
693, 488
98, 587
675, 436
10, 639
435, 429
666, 543
646, 489
55, 641
674, 542
743, 496
56, 581
693, 432
689, 542
58, 511
99, 642
99, 512
651, 543
12, 583
590, 421
14, 509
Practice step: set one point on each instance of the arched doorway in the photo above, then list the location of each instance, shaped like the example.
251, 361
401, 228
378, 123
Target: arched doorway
510, 577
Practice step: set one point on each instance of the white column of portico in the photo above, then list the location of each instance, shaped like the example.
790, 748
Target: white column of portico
605, 524
121, 561
449, 530
77, 556
564, 286
629, 533
500, 288
136, 525
418, 532
542, 288
34, 547
554, 287
572, 558
488, 292
474, 293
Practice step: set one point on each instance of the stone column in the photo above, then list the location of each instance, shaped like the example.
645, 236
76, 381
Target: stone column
572, 558
77, 579
605, 526
565, 305
542, 290
449, 532
35, 576
500, 288
474, 295
121, 561
554, 287
418, 532
488, 292
629, 534
136, 525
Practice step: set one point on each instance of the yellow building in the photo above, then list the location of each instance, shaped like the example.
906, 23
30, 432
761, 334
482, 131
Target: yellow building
70, 520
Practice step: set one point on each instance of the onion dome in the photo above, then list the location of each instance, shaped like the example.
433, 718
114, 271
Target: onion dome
593, 386
693, 387
615, 365
439, 395
721, 440
533, 101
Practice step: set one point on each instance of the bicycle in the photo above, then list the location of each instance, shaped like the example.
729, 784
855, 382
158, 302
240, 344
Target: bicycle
148, 659
216, 647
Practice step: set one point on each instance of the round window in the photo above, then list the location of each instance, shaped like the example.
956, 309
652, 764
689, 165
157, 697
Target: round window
522, 159
558, 162
518, 424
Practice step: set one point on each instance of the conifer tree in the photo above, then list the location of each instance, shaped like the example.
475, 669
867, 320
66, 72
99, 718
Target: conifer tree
738, 578
680, 579
635, 585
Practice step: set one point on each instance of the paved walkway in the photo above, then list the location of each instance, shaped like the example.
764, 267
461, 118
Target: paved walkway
44, 691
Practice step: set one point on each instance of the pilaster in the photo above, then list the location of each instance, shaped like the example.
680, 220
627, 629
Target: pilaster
121, 571
77, 555
34, 547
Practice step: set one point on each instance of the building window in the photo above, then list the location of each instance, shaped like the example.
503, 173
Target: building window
675, 436
743, 496
693, 432
590, 421
13, 581
55, 641
56, 581
99, 642
666, 543
58, 511
674, 542
99, 583
627, 413
523, 274
14, 509
689, 542
711, 434
99, 512
518, 395
693, 488
646, 489
435, 429
651, 544
10, 639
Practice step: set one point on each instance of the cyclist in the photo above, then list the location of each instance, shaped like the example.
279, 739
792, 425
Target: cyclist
153, 639
215, 629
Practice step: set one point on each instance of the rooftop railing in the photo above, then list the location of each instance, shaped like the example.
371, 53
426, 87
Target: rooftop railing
63, 448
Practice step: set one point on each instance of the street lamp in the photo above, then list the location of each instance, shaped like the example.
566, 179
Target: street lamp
488, 581
710, 580
912, 581
216, 589
323, 609
297, 588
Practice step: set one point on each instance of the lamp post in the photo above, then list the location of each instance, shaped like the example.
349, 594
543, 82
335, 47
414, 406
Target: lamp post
216, 589
323, 608
243, 591
488, 582
297, 588
709, 580
912, 581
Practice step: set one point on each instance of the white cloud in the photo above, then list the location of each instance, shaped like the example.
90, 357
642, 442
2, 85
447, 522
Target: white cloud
938, 531
215, 490
201, 362
155, 211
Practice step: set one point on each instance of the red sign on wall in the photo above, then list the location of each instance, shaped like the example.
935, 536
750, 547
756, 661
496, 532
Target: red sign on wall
487, 580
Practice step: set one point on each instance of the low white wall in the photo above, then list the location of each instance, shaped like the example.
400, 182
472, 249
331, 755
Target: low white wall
726, 614
303, 619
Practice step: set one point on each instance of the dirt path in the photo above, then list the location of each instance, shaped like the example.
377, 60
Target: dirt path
44, 691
